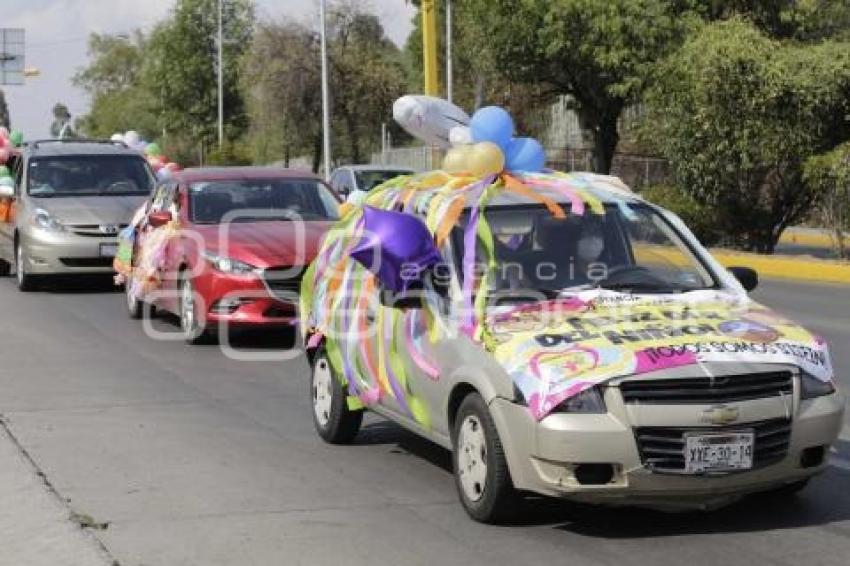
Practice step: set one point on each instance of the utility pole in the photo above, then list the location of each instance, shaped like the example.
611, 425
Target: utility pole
220, 73
429, 47
449, 70
326, 111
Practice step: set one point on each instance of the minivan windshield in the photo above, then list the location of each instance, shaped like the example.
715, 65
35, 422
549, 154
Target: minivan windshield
253, 200
368, 180
630, 248
88, 175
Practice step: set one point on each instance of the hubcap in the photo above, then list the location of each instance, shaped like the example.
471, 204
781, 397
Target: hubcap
187, 310
322, 392
472, 458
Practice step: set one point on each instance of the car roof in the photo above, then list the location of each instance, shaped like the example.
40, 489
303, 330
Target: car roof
194, 174
77, 147
374, 167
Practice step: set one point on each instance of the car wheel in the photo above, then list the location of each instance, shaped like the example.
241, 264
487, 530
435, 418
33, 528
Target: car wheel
481, 471
194, 331
335, 422
25, 281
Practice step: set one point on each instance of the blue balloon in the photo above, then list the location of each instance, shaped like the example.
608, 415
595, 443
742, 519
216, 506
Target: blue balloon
525, 154
492, 124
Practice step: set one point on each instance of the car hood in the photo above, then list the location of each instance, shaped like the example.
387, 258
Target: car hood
90, 210
555, 350
265, 244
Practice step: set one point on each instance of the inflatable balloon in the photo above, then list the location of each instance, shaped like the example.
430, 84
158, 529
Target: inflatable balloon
117, 138
457, 159
132, 138
163, 174
492, 124
460, 135
4, 171
525, 154
485, 158
7, 182
153, 149
172, 167
4, 132
428, 118
17, 138
4, 155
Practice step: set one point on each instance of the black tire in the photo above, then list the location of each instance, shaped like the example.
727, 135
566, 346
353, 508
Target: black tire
195, 332
135, 307
496, 501
334, 421
26, 282
5, 268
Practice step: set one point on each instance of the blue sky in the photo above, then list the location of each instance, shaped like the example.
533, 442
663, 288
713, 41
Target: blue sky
56, 42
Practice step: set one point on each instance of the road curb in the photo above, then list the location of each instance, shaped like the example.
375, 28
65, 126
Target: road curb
799, 268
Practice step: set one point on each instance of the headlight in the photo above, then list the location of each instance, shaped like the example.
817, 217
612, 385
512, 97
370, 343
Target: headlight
228, 265
589, 401
812, 387
42, 219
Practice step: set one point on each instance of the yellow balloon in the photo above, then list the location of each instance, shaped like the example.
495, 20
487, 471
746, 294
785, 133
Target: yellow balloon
456, 159
485, 158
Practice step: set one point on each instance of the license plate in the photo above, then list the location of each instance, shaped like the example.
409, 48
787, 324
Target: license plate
108, 250
719, 452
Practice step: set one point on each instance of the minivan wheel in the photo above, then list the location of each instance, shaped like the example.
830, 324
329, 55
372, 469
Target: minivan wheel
335, 422
135, 306
194, 332
481, 471
26, 282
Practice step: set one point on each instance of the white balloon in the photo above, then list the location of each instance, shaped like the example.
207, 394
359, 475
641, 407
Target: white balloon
132, 138
163, 174
460, 135
7, 182
429, 118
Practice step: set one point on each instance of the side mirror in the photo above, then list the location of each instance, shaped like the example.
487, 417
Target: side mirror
7, 191
159, 218
749, 278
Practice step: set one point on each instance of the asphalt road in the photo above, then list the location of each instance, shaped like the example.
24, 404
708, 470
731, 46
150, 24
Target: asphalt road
193, 458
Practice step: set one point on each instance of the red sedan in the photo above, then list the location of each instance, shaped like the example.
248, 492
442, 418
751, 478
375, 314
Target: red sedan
227, 247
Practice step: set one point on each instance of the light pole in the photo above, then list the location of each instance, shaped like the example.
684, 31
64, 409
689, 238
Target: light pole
449, 77
326, 111
220, 74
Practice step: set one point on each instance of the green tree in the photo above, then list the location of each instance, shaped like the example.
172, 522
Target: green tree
5, 120
180, 70
806, 20
281, 82
600, 54
112, 79
737, 113
828, 174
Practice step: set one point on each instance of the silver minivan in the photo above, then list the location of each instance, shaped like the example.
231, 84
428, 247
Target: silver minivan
566, 338
70, 200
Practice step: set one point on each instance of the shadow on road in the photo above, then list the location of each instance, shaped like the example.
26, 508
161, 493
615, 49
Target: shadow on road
78, 284
825, 501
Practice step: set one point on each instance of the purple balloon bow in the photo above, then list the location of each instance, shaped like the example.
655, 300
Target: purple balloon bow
396, 247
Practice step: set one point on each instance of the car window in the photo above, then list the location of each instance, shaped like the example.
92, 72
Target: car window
368, 180
247, 200
88, 175
627, 248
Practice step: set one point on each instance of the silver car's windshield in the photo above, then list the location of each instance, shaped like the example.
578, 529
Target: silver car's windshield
630, 248
88, 175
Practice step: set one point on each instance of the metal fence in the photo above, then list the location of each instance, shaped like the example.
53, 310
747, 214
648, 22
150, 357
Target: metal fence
635, 170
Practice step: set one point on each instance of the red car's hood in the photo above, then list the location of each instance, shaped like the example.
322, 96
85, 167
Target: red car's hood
265, 244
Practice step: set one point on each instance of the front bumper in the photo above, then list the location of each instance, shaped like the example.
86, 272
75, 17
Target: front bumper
243, 301
62, 253
544, 456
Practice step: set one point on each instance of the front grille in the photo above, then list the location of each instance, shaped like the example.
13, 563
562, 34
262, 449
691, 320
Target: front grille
707, 390
94, 230
86, 261
662, 449
283, 282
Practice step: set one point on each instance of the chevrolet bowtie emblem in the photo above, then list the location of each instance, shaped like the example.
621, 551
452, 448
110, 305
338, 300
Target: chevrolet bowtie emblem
720, 415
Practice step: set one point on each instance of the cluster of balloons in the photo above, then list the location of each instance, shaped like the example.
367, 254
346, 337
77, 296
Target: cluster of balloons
488, 146
162, 167
8, 142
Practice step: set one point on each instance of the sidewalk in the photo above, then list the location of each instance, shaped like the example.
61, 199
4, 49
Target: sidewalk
35, 525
